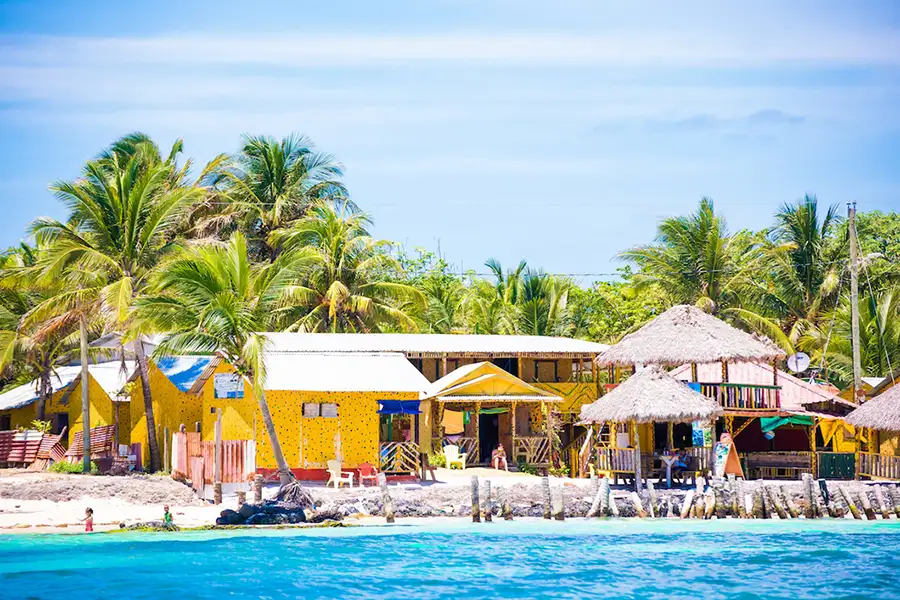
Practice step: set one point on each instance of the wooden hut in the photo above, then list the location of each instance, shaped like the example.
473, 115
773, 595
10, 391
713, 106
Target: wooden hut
649, 396
881, 415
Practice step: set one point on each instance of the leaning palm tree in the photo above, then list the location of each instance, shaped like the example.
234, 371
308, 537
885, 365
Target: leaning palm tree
123, 210
211, 298
271, 183
346, 288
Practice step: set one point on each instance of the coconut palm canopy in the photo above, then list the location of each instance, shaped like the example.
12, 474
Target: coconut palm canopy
881, 412
651, 395
686, 334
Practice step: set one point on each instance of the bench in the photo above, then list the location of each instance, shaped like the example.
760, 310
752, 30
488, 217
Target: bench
777, 465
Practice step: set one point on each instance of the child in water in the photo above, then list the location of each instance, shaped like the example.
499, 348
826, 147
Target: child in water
88, 519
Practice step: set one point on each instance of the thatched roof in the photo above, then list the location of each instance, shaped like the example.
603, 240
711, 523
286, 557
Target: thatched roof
651, 395
685, 334
881, 412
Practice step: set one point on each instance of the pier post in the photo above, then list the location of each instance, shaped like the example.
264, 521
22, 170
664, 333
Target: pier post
241, 499
670, 511
595, 505
386, 502
217, 492
720, 506
638, 507
257, 489
559, 506
476, 505
488, 502
851, 506
894, 493
686, 507
882, 506
651, 489
505, 506
810, 494
775, 502
605, 498
545, 483
792, 509
765, 509
867, 506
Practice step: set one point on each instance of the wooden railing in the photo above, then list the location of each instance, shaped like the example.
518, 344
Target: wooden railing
882, 466
779, 465
701, 453
400, 457
736, 396
533, 449
616, 460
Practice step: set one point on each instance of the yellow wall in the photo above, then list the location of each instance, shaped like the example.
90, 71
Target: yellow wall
171, 409
20, 417
574, 395
306, 443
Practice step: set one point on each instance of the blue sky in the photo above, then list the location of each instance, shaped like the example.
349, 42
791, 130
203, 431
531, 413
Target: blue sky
556, 132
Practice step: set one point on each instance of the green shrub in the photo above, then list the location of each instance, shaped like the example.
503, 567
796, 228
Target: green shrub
42, 426
67, 467
524, 467
560, 471
437, 460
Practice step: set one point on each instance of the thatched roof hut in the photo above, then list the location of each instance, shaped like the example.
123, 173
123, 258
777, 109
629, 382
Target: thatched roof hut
651, 395
881, 412
685, 334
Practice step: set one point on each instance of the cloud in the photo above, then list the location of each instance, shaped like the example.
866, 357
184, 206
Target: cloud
767, 120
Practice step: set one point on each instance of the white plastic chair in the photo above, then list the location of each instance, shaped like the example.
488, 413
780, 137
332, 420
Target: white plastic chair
337, 476
454, 457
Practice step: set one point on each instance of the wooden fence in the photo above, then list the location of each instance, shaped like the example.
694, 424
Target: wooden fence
880, 466
196, 460
615, 460
533, 449
400, 457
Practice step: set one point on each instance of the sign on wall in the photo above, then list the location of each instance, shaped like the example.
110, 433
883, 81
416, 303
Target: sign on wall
228, 385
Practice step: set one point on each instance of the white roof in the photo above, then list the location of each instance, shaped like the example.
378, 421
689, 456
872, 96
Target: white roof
108, 375
343, 372
431, 344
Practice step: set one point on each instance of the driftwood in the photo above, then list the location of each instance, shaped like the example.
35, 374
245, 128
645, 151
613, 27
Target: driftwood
882, 505
851, 505
488, 502
638, 507
545, 483
686, 507
476, 503
867, 506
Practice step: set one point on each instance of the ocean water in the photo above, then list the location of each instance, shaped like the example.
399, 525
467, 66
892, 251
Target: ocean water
455, 559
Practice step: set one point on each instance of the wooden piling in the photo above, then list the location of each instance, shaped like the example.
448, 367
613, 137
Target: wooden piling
775, 502
710, 508
740, 501
737, 498
882, 506
386, 503
894, 493
613, 507
809, 494
867, 505
719, 502
545, 483
638, 507
559, 506
699, 499
476, 504
686, 507
789, 503
759, 504
506, 507
670, 511
828, 500
257, 489
594, 510
848, 501
488, 502
241, 499
653, 498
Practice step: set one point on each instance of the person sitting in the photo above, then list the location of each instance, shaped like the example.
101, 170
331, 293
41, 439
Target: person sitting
498, 457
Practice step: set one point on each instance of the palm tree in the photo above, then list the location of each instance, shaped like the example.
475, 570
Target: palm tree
123, 212
211, 298
790, 298
348, 288
542, 305
694, 260
269, 184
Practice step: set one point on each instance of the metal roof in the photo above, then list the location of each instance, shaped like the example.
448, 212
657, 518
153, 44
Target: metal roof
343, 372
108, 375
434, 345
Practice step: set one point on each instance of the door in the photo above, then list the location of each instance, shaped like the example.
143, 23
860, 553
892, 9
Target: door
504, 426
488, 436
837, 465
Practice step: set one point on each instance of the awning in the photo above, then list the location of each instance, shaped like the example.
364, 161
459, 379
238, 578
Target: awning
398, 407
772, 423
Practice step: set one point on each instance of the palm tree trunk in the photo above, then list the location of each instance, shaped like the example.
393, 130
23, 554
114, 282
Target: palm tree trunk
144, 373
284, 472
43, 392
85, 396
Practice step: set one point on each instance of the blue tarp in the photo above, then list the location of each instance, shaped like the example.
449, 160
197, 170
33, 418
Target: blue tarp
398, 407
183, 371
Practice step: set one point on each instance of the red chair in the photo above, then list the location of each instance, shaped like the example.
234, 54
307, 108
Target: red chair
367, 472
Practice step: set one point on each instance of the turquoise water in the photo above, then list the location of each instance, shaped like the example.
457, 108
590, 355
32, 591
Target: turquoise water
522, 559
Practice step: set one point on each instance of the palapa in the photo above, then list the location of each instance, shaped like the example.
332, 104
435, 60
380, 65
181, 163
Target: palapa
651, 395
685, 334
881, 412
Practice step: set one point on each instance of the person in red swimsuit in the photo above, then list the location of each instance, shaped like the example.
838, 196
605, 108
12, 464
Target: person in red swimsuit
88, 519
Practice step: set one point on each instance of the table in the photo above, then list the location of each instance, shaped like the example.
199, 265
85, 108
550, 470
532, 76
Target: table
669, 460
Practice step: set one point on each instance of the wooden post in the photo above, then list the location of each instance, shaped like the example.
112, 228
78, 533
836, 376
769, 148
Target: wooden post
719, 502
595, 505
775, 501
613, 507
477, 444
488, 502
759, 504
637, 457
386, 502
559, 506
858, 393
476, 504
545, 484
217, 492
894, 493
670, 435
686, 507
806, 486
638, 507
605, 499
653, 499
882, 506
710, 498
257, 489
792, 509
241, 499
740, 503
166, 463
670, 511
867, 505
767, 507
506, 508
217, 459
848, 501
699, 500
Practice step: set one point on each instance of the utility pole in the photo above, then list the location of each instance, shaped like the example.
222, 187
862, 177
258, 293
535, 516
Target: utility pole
858, 394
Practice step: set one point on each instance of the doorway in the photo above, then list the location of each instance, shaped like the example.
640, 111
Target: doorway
488, 436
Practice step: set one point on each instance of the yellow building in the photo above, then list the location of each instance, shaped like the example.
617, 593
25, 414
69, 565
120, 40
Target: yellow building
109, 403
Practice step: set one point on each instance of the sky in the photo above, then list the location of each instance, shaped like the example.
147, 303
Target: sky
556, 132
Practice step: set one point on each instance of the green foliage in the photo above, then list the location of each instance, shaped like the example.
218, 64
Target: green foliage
608, 310
559, 471
524, 467
72, 468
42, 426
437, 459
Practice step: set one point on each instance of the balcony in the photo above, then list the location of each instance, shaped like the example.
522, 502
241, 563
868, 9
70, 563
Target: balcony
738, 397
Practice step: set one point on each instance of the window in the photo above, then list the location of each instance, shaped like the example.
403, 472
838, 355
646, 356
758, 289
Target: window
329, 411
315, 410
5, 422
311, 411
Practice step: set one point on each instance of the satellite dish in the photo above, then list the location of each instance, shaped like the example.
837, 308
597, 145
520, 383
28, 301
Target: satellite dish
798, 363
